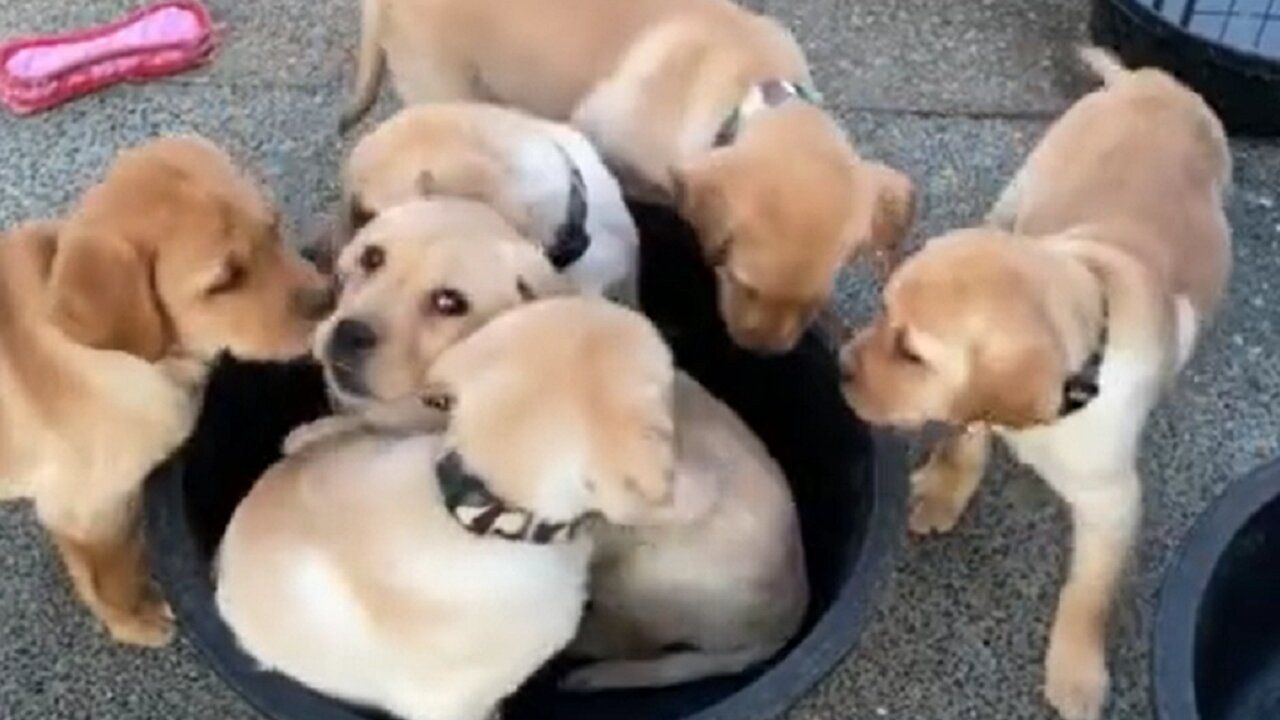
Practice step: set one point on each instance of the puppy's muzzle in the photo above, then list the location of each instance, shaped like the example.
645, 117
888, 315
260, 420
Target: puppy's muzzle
349, 347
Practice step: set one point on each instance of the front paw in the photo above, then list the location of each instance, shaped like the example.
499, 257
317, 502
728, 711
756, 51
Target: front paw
151, 626
935, 509
1076, 679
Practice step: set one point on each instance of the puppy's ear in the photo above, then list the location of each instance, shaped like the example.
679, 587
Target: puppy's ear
632, 468
700, 200
102, 294
884, 210
1019, 388
535, 277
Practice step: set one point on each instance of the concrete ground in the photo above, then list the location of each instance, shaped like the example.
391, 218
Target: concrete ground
955, 93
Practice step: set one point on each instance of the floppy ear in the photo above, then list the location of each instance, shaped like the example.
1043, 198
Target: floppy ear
102, 295
535, 277
633, 470
1020, 388
885, 208
700, 200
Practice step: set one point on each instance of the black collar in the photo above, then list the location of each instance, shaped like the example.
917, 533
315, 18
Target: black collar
572, 239
767, 94
1081, 387
484, 514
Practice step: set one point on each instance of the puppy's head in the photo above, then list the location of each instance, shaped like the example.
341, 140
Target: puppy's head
565, 407
779, 212
965, 336
416, 280
421, 152
175, 250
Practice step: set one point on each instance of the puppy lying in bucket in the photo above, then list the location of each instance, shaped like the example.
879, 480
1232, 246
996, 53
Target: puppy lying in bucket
544, 178
430, 574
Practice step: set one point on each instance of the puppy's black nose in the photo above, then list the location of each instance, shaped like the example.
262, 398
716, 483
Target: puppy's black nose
352, 338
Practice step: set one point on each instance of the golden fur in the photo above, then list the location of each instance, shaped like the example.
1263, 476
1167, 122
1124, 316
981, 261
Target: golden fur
106, 318
427, 247
1115, 221
343, 569
651, 82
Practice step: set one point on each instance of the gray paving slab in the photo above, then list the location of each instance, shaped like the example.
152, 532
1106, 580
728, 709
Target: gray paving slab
935, 88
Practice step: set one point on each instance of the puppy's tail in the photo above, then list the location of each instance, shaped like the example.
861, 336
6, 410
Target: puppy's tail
1103, 63
370, 65
670, 669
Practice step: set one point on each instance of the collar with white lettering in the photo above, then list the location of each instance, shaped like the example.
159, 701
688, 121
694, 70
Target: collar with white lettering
484, 514
761, 96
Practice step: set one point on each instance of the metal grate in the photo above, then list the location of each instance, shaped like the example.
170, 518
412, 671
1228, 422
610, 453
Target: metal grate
1251, 25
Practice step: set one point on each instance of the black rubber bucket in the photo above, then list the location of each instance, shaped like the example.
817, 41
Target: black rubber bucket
849, 485
1227, 50
1216, 652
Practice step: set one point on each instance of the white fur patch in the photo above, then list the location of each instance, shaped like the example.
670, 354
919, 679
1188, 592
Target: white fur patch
1188, 329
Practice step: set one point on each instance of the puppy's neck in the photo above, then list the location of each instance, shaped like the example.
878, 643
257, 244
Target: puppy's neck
1076, 302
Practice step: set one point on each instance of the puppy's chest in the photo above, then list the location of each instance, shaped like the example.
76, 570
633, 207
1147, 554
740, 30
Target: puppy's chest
1102, 434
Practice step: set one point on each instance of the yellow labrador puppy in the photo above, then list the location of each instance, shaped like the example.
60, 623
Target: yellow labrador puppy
106, 318
417, 279
696, 102
430, 575
712, 595
544, 178
1058, 328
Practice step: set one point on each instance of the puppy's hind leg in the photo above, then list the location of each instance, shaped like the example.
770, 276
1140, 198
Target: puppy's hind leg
669, 669
1105, 518
107, 565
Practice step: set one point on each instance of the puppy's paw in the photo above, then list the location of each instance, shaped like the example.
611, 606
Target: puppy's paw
1076, 679
935, 509
151, 626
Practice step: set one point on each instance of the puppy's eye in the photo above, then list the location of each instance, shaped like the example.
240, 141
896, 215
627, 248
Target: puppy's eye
904, 350
232, 276
372, 258
447, 302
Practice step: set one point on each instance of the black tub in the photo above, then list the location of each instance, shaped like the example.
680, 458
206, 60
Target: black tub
1216, 653
1228, 50
849, 485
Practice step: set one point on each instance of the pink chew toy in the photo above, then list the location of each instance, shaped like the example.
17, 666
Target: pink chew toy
37, 73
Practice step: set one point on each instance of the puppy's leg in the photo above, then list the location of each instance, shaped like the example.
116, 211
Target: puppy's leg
943, 487
109, 572
1105, 518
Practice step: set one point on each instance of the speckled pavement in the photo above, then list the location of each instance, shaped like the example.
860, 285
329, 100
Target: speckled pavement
954, 93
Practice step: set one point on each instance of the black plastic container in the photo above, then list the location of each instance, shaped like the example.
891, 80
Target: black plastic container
849, 484
1227, 50
1216, 652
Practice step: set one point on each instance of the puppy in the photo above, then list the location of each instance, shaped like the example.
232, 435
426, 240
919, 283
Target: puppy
712, 595
699, 103
430, 575
1058, 327
544, 178
415, 280
106, 319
